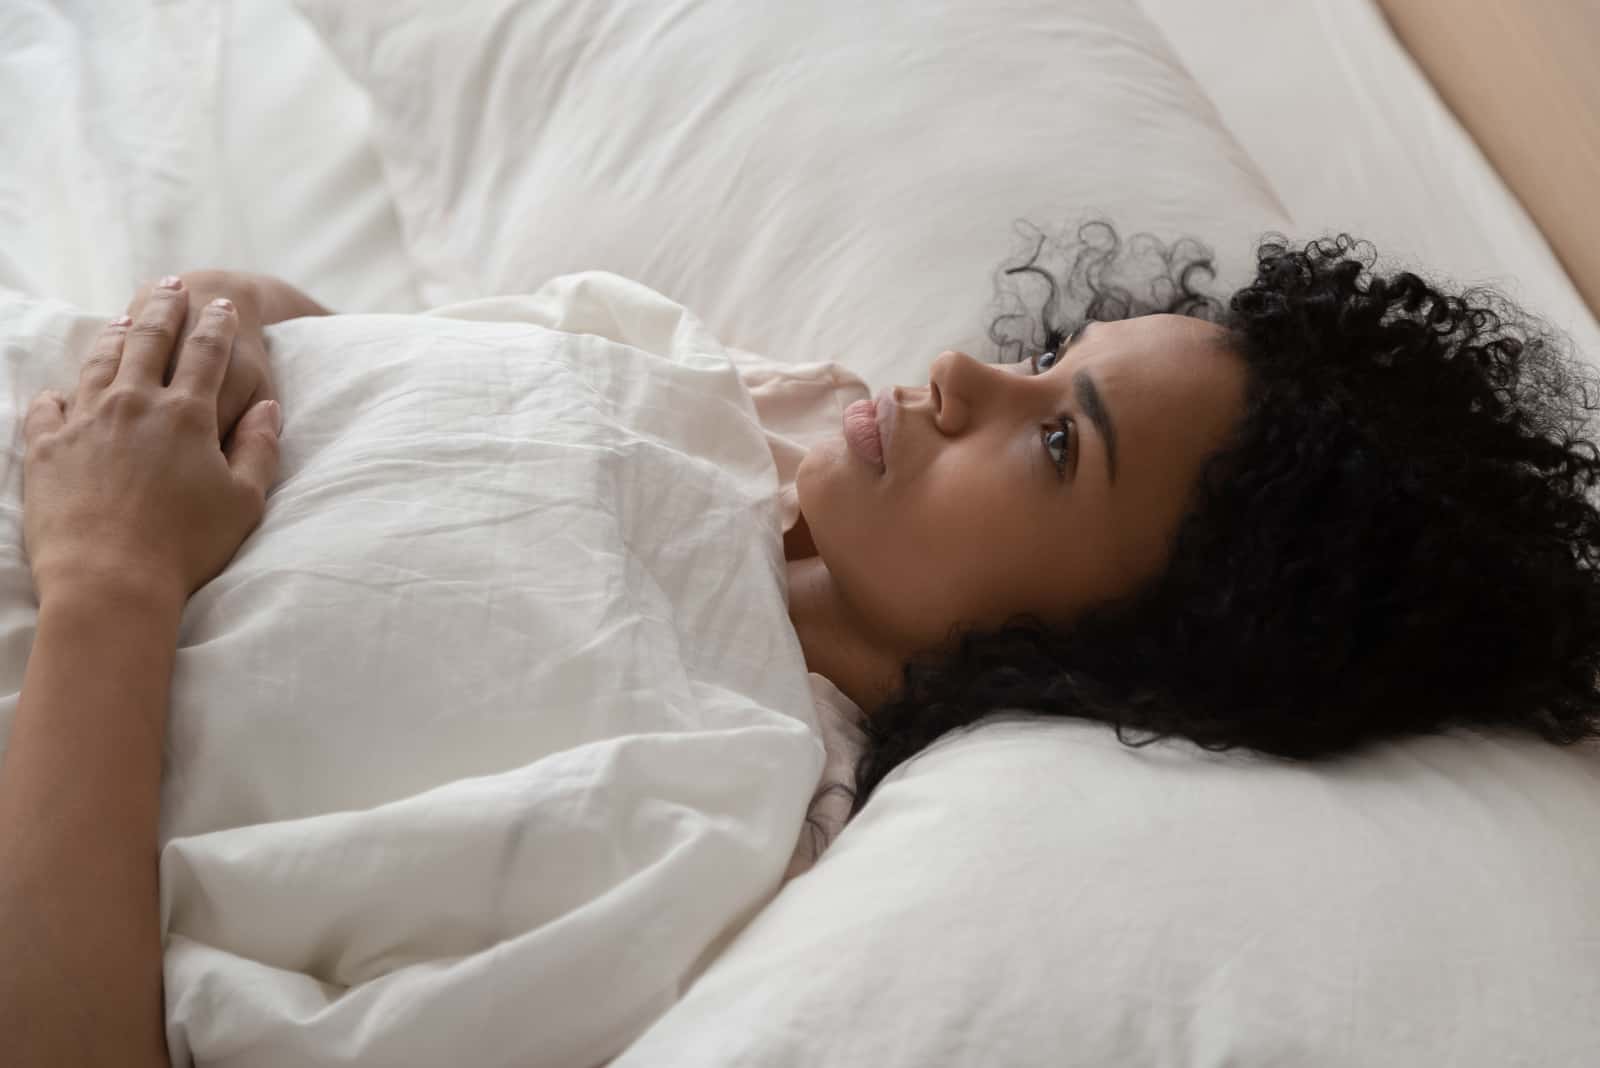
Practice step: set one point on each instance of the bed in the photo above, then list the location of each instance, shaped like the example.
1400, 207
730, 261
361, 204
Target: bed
698, 182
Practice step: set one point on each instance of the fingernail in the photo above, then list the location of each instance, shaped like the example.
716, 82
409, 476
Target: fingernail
171, 281
122, 320
222, 304
277, 416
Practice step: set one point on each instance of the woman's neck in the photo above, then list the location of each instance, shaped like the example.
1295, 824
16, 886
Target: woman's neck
835, 640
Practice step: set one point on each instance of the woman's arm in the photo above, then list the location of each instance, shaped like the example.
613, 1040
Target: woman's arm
80, 792
129, 506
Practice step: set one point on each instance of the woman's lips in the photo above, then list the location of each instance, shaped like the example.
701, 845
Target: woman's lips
887, 411
861, 431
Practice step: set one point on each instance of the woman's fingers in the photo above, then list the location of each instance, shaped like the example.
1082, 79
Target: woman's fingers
253, 454
100, 369
46, 413
203, 360
246, 381
154, 332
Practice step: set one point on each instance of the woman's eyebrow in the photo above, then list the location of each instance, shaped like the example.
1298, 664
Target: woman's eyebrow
1093, 404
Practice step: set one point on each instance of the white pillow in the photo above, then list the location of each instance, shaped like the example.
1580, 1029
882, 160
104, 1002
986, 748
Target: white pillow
1038, 895
467, 761
826, 181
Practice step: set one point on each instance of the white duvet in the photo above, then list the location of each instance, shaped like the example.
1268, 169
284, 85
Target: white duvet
496, 724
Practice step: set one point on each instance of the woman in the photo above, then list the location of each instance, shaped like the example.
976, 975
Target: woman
1342, 507
1339, 508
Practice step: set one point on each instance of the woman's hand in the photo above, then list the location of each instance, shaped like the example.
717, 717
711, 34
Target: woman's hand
249, 379
127, 484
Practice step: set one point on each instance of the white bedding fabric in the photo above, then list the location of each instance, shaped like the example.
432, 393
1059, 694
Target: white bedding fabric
143, 138
1037, 895
497, 721
1431, 907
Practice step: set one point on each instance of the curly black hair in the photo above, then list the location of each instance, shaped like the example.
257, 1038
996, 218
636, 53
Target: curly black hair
1397, 539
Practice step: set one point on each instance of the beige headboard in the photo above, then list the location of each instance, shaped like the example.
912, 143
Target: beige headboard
1523, 76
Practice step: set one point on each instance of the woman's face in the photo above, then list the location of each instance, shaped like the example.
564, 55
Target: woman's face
969, 519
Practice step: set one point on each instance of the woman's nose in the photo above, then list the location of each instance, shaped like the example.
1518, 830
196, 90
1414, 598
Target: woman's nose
955, 380
948, 366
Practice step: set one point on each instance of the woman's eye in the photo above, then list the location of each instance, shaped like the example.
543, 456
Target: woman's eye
1039, 364
1056, 442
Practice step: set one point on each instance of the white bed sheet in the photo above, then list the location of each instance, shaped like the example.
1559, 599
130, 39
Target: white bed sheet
146, 138
303, 185
465, 758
